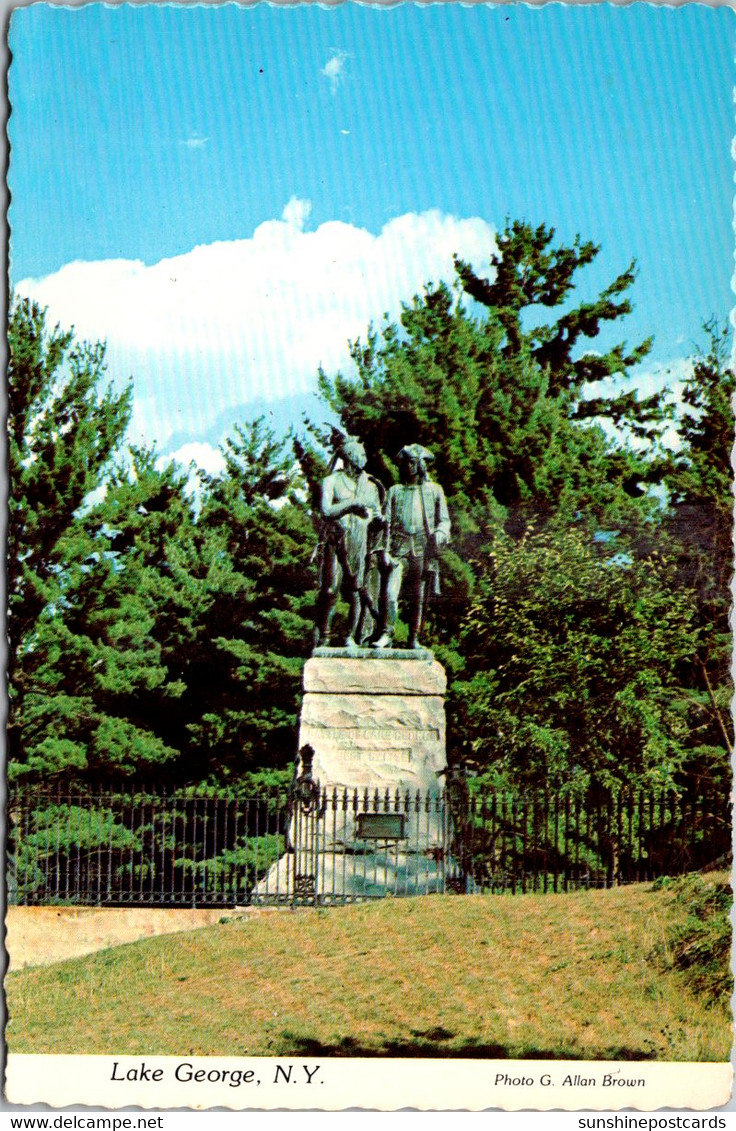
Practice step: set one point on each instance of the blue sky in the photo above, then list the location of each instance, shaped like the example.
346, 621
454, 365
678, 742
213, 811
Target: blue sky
227, 194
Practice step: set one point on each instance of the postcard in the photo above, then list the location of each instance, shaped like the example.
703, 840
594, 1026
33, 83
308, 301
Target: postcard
369, 558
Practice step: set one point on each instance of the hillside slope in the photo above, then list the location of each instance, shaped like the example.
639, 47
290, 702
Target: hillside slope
588, 975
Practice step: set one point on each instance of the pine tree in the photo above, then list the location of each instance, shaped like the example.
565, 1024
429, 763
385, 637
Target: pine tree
244, 677
62, 433
699, 524
529, 272
566, 632
99, 701
505, 408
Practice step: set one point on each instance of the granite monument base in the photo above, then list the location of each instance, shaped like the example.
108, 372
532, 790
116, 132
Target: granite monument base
374, 721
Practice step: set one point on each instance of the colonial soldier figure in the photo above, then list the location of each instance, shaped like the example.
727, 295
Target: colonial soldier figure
351, 511
417, 527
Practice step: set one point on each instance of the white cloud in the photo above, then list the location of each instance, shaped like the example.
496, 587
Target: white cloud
334, 68
196, 141
297, 212
195, 457
231, 323
646, 378
666, 377
206, 456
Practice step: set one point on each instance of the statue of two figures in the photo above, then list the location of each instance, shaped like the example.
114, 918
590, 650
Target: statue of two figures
378, 547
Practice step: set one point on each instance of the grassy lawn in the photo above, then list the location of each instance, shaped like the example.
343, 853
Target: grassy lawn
588, 975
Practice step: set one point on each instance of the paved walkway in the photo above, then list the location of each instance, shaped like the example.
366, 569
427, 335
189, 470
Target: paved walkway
39, 935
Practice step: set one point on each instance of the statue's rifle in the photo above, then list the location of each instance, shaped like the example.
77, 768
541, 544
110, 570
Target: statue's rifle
378, 526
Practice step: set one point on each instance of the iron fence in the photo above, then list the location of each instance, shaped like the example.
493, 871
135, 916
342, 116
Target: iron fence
311, 845
541, 841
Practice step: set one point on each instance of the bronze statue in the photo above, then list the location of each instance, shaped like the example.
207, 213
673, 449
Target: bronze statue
351, 506
417, 527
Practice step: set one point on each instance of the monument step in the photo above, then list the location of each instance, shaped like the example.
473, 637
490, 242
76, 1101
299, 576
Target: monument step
373, 875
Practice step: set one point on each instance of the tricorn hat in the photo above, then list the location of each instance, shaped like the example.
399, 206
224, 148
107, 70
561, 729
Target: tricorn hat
416, 451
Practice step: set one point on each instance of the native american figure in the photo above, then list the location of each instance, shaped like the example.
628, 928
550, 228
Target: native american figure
351, 509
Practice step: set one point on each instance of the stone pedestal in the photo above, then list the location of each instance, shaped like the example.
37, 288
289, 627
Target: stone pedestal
376, 724
375, 720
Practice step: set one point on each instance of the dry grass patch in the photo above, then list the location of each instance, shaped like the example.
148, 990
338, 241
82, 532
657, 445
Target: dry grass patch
568, 976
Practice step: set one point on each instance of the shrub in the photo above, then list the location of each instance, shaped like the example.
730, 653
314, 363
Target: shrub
700, 944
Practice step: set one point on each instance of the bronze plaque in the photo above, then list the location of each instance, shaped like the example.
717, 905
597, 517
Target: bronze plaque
381, 826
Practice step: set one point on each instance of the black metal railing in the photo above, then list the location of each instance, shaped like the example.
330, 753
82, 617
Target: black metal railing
540, 841
305, 845
134, 847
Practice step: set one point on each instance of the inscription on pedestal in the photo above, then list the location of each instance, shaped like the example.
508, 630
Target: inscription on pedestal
345, 756
343, 735
363, 738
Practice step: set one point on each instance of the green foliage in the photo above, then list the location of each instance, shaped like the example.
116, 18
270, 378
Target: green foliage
61, 434
701, 946
699, 525
58, 836
529, 273
98, 673
503, 407
168, 639
249, 862
504, 442
222, 592
596, 641
508, 450
250, 646
583, 621
531, 276
699, 479
76, 846
571, 663
701, 468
